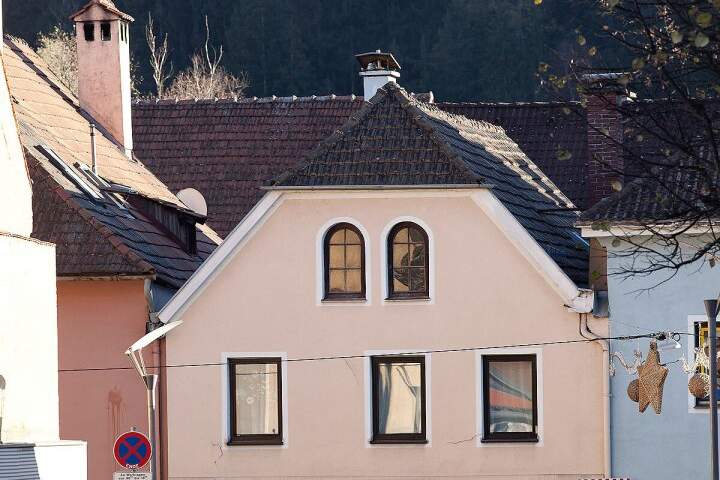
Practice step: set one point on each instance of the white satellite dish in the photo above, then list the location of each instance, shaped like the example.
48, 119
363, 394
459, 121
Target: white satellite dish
194, 200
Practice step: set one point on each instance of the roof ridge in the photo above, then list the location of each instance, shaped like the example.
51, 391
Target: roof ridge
528, 104
267, 99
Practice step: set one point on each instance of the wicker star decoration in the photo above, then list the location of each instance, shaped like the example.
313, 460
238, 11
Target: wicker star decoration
651, 378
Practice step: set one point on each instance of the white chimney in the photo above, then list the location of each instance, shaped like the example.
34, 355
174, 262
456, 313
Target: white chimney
377, 69
102, 34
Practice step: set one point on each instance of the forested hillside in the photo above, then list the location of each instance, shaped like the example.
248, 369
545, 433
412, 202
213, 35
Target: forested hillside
461, 49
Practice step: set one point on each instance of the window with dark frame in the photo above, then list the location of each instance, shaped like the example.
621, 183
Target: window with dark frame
105, 31
408, 262
702, 334
398, 399
344, 263
89, 31
510, 398
255, 401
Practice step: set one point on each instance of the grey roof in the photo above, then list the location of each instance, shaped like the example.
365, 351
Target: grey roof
396, 140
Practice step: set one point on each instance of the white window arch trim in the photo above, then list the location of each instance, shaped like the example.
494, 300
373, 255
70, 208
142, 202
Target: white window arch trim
384, 262
320, 264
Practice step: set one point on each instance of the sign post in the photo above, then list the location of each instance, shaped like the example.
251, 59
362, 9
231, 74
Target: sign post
135, 355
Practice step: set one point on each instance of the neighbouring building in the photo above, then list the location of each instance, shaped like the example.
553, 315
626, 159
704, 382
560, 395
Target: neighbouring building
674, 444
30, 445
339, 325
125, 243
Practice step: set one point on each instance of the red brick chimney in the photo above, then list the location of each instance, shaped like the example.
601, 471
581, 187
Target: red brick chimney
604, 95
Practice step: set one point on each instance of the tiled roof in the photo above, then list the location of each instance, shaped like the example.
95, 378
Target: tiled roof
395, 140
553, 135
94, 236
659, 188
228, 149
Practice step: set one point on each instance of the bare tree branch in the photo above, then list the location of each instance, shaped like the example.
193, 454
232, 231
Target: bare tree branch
158, 58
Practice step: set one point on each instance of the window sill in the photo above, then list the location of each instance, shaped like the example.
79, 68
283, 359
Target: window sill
340, 300
408, 299
240, 443
398, 441
510, 440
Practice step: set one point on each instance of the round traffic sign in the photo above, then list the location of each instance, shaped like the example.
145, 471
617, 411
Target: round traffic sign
132, 450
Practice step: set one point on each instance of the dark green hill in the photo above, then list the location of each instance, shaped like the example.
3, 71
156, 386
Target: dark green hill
460, 49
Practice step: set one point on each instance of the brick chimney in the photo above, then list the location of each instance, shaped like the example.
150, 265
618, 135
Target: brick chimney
377, 69
102, 34
604, 94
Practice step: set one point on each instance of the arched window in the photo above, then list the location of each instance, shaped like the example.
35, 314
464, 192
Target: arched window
344, 263
408, 262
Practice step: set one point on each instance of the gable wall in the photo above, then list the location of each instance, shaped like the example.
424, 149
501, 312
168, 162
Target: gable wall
486, 294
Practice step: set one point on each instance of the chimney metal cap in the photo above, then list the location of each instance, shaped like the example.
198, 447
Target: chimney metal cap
377, 60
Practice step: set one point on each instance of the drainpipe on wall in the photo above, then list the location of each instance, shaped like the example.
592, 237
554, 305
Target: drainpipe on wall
605, 345
158, 358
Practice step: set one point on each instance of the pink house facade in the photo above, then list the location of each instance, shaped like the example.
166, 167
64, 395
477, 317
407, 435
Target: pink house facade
407, 302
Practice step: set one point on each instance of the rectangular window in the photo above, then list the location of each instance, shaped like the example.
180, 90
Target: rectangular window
105, 31
398, 399
701, 340
89, 31
510, 398
255, 401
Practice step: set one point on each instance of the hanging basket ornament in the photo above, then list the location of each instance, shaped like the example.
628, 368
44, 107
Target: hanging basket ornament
699, 385
651, 379
633, 390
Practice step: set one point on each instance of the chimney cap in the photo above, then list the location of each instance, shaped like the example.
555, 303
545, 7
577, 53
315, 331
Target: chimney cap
605, 81
106, 5
377, 60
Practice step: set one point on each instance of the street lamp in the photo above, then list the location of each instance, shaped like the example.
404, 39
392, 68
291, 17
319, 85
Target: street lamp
134, 353
711, 308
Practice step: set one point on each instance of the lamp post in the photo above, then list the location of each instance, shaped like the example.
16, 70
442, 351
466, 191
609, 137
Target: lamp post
134, 353
711, 308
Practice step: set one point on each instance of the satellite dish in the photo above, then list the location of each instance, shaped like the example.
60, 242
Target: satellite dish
194, 200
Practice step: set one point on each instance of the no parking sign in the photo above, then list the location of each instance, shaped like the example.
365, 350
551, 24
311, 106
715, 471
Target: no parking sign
132, 450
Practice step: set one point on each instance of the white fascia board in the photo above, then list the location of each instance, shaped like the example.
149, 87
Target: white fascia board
575, 298
220, 257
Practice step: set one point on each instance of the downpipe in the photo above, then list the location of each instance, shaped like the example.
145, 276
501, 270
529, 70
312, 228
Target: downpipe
584, 330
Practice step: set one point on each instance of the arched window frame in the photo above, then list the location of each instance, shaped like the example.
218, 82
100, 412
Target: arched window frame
389, 241
340, 296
